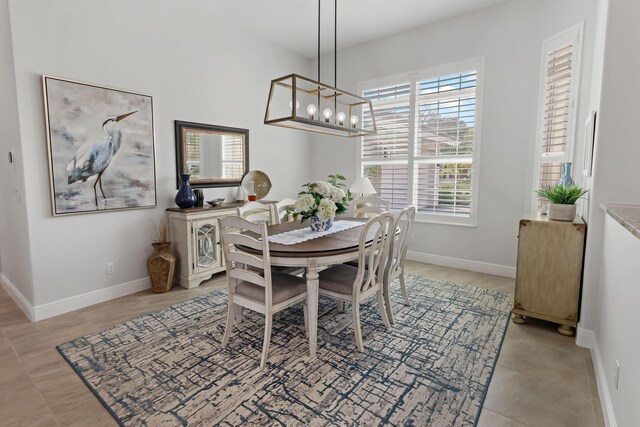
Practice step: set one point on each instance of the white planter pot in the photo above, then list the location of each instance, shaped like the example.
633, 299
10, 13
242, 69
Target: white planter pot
561, 212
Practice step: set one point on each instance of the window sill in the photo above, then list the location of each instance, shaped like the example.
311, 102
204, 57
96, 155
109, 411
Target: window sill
446, 220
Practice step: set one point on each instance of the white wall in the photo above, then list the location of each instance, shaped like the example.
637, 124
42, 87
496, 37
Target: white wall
196, 66
14, 231
593, 213
617, 336
611, 272
509, 36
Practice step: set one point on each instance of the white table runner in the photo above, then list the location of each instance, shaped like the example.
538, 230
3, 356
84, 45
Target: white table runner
303, 234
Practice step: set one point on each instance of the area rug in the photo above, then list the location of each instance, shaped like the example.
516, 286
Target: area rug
431, 369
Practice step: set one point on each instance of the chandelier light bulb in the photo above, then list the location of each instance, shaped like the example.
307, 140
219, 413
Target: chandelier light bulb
341, 116
311, 109
353, 120
327, 113
291, 105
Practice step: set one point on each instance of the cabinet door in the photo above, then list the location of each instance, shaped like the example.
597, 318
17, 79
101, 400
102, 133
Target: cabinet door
205, 247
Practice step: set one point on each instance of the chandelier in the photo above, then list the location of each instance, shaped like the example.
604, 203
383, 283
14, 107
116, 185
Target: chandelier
302, 103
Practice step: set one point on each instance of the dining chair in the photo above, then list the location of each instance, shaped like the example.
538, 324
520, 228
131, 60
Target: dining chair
370, 206
258, 289
281, 210
345, 283
396, 257
256, 211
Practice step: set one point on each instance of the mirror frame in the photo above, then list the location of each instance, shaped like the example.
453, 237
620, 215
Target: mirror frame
181, 126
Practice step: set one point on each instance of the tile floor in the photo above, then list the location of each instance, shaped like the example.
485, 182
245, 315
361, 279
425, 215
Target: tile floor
542, 378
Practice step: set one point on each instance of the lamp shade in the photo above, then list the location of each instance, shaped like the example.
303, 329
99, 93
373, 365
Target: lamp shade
362, 186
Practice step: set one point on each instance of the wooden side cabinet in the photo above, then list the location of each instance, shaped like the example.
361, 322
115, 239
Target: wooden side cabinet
549, 271
196, 238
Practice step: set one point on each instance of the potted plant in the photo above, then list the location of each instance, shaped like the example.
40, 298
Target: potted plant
562, 201
321, 202
162, 262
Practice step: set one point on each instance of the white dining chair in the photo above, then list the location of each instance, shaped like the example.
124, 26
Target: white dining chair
396, 257
258, 289
345, 283
370, 206
256, 211
281, 214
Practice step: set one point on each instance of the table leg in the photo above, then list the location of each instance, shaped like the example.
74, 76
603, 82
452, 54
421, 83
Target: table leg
312, 302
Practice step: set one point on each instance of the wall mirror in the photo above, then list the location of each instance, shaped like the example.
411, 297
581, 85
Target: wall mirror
214, 156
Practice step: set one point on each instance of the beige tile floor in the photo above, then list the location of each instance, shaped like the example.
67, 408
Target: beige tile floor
542, 378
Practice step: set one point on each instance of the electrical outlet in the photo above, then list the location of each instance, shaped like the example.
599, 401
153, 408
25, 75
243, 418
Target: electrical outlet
616, 375
111, 268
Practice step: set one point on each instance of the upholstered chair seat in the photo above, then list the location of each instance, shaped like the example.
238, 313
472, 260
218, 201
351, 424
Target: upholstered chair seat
283, 287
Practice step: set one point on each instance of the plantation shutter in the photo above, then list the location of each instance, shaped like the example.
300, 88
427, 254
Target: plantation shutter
385, 155
445, 132
557, 110
192, 154
232, 156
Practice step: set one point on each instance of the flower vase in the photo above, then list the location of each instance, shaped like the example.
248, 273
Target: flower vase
318, 225
566, 180
161, 267
185, 198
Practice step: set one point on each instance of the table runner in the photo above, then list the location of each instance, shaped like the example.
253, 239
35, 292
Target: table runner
303, 234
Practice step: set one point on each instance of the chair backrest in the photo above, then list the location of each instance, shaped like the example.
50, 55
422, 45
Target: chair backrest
236, 231
399, 244
256, 211
370, 206
281, 210
372, 258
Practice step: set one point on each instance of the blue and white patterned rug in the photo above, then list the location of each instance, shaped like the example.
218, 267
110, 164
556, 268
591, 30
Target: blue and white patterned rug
431, 369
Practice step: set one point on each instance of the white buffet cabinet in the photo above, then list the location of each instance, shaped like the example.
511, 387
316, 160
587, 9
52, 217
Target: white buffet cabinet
196, 238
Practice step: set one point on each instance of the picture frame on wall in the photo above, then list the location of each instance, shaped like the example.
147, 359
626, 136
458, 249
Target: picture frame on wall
589, 143
101, 147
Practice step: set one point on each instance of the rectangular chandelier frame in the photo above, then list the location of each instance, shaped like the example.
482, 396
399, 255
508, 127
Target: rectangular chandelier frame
293, 88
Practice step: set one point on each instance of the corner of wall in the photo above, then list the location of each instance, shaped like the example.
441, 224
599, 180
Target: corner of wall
14, 227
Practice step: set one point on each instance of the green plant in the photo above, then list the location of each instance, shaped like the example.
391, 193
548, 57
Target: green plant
562, 195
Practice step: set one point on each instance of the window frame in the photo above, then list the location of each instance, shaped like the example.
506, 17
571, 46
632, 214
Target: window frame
574, 34
414, 77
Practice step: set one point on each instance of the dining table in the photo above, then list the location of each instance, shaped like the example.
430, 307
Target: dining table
313, 255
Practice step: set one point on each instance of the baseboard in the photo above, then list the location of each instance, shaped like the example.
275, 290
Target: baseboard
17, 296
464, 264
65, 305
588, 339
585, 338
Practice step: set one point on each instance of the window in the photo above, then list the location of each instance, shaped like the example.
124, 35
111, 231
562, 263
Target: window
556, 129
425, 153
232, 156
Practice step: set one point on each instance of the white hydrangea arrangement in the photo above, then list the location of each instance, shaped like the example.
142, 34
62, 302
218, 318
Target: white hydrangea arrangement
324, 199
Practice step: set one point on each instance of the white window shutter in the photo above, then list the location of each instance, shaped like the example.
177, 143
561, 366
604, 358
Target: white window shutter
424, 150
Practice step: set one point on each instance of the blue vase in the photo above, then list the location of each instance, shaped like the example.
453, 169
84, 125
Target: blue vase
565, 180
318, 225
185, 198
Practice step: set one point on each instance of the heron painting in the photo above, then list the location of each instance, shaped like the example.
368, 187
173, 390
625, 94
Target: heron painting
101, 147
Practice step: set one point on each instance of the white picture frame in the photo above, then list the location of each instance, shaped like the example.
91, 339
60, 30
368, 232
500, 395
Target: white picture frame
589, 142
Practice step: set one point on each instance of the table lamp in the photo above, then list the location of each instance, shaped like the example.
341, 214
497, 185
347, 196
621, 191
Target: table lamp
362, 186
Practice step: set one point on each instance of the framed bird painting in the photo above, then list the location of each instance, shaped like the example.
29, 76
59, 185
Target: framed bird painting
101, 147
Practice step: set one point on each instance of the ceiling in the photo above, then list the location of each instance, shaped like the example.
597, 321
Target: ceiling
293, 23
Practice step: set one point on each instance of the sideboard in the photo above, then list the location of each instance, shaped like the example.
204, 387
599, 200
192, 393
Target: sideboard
549, 271
196, 238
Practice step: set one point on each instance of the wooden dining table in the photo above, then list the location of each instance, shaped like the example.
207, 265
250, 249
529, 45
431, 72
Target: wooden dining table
313, 254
